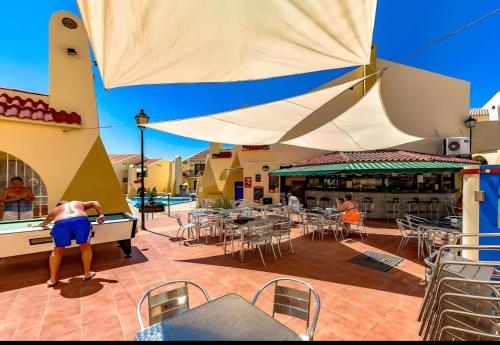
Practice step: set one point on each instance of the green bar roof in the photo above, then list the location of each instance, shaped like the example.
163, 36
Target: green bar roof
370, 168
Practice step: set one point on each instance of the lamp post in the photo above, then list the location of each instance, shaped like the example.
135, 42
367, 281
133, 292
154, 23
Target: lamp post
470, 123
141, 119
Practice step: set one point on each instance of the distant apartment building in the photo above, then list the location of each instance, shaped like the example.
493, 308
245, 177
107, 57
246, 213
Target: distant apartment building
121, 163
192, 168
157, 174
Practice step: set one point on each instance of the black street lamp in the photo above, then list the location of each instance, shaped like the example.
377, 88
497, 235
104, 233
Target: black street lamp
141, 119
470, 123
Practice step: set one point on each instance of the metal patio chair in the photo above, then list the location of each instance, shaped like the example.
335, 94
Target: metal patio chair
415, 220
284, 232
261, 235
210, 224
356, 226
294, 302
333, 224
230, 233
454, 292
450, 331
469, 312
448, 264
183, 227
167, 304
407, 231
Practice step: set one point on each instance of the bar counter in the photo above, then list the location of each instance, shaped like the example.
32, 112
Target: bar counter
382, 207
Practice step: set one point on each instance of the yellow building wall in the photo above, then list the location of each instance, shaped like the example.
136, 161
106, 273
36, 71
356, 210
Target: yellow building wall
96, 177
158, 175
250, 170
233, 175
121, 169
212, 183
58, 152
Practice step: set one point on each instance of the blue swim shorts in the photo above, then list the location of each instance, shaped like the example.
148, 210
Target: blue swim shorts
77, 228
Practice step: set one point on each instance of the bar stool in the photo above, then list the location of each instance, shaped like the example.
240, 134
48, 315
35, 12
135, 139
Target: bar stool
311, 201
393, 207
434, 204
324, 202
414, 206
367, 205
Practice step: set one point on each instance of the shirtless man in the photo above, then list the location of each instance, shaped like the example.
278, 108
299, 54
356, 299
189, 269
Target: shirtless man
71, 222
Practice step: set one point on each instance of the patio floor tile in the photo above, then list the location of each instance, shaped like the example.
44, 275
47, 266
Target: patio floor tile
356, 303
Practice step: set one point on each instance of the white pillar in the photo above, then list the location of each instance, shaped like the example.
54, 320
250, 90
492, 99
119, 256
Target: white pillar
470, 212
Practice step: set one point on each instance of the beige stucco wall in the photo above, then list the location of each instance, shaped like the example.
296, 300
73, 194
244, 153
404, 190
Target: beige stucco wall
425, 104
470, 211
486, 136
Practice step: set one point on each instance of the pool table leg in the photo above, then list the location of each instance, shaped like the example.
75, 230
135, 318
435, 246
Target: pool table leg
126, 246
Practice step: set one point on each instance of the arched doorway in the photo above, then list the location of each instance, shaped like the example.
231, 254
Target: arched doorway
11, 166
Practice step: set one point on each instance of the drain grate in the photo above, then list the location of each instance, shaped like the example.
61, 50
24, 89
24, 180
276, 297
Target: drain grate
376, 261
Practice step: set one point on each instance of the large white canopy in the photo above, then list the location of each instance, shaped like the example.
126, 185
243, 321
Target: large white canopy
364, 126
171, 41
258, 125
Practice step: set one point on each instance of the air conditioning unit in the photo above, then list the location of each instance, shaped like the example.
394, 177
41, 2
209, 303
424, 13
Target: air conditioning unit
456, 146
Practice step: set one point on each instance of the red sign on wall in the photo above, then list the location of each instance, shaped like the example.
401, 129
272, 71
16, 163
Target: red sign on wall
248, 182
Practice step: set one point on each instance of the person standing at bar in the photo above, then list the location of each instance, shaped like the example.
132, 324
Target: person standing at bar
17, 200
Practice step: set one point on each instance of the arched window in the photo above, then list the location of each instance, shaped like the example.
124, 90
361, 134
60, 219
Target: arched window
10, 166
480, 159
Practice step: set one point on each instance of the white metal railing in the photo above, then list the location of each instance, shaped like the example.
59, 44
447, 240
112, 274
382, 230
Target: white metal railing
10, 166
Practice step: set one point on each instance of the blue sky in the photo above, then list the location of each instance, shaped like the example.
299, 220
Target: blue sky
400, 27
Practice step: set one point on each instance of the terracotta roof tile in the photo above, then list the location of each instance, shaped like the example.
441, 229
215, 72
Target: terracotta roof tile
34, 110
200, 155
122, 156
380, 156
148, 162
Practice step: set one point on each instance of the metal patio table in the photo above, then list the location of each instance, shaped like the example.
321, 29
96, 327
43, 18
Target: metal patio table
444, 226
254, 222
229, 317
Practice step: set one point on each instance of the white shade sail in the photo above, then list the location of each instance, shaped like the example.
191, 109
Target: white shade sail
258, 125
364, 126
171, 41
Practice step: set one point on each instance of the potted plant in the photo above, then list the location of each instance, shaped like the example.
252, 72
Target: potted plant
151, 205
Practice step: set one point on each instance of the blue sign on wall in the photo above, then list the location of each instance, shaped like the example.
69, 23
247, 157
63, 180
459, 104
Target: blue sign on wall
489, 216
